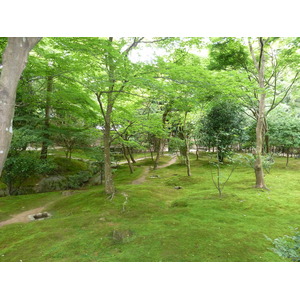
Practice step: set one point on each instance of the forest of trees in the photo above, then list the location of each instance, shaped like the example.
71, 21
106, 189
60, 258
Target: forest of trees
149, 149
219, 94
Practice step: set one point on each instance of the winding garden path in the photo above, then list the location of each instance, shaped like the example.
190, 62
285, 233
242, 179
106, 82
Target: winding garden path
23, 217
141, 179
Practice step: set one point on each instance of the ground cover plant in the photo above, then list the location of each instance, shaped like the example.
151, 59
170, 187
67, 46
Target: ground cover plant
189, 154
158, 222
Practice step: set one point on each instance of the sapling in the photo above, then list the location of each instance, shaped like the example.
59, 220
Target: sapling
220, 179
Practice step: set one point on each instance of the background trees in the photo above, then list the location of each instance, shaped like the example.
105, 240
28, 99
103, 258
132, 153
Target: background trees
267, 63
222, 128
79, 92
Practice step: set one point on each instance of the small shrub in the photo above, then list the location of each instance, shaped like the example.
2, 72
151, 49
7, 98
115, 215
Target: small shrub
79, 179
23, 166
288, 246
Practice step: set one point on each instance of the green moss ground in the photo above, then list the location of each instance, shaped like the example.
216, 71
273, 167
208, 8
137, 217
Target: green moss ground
159, 223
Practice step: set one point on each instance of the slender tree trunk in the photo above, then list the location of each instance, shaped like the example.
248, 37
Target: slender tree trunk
187, 162
160, 145
163, 145
131, 155
13, 63
267, 141
197, 153
157, 150
151, 153
46, 134
259, 173
108, 178
126, 155
287, 156
260, 66
184, 149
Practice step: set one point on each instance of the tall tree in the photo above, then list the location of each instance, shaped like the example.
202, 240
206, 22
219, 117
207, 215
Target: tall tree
272, 68
260, 68
13, 63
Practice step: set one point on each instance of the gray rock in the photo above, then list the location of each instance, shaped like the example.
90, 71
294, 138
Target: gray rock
67, 193
177, 187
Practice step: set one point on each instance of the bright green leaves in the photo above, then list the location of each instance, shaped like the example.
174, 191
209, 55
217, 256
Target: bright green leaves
228, 53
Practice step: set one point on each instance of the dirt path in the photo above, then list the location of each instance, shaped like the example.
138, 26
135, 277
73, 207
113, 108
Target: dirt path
23, 217
169, 163
141, 179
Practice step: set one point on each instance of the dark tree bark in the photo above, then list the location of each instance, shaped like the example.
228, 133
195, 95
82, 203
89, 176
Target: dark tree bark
131, 155
14, 61
287, 156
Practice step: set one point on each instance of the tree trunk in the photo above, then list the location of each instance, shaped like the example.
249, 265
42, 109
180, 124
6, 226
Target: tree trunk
267, 140
197, 153
151, 153
158, 145
220, 155
287, 156
125, 152
46, 134
14, 61
260, 126
108, 178
131, 155
184, 149
187, 162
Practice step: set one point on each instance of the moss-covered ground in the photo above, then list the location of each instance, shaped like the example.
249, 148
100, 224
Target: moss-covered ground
159, 222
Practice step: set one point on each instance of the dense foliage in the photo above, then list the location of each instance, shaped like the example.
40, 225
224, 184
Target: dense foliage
95, 102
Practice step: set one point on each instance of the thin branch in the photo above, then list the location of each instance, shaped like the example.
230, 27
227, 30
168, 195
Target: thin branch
287, 91
228, 177
155, 41
118, 133
98, 95
261, 56
252, 55
136, 41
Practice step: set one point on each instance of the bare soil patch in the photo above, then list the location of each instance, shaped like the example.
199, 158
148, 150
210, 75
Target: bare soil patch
23, 217
141, 179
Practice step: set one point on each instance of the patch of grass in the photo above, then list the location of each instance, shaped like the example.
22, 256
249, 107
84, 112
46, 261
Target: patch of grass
200, 227
179, 203
67, 166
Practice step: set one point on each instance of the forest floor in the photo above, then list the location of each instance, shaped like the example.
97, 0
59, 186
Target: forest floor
146, 171
157, 222
24, 216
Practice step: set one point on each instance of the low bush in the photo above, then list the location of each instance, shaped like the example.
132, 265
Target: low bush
288, 246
